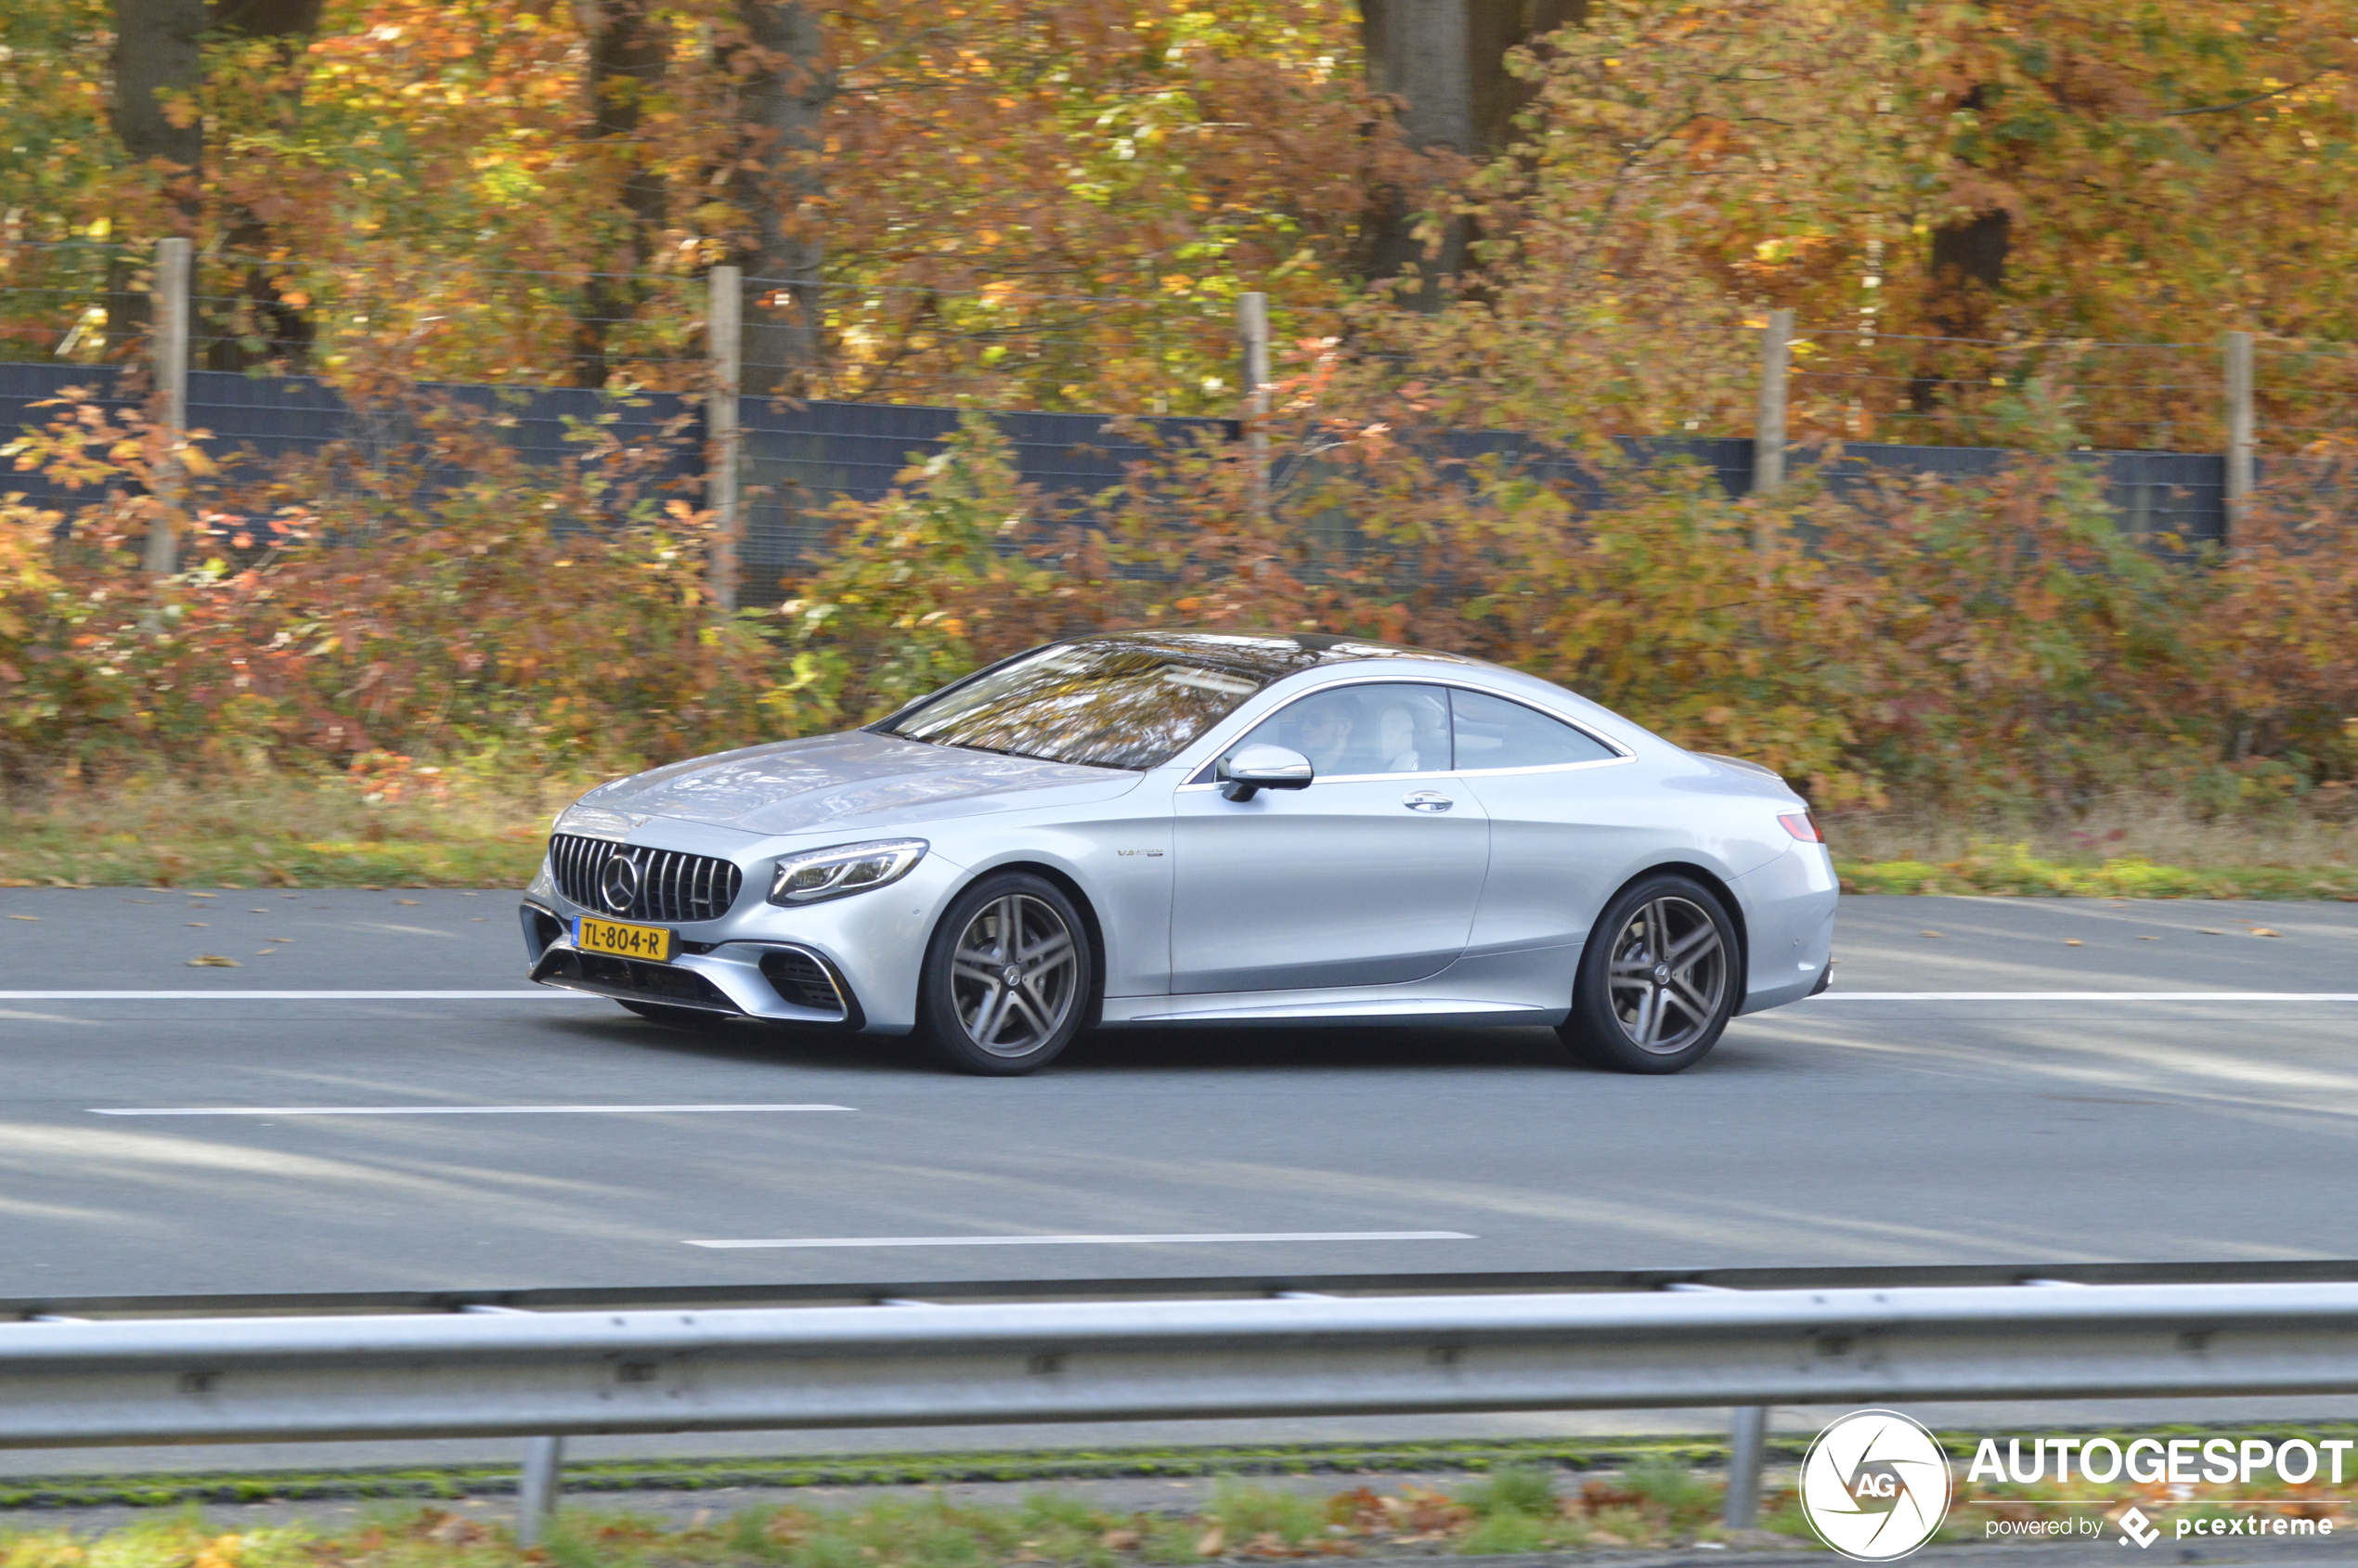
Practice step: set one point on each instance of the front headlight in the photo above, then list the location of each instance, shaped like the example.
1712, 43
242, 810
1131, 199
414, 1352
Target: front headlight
850, 868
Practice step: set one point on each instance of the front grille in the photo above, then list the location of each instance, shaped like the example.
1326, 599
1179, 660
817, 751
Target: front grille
672, 886
801, 979
657, 982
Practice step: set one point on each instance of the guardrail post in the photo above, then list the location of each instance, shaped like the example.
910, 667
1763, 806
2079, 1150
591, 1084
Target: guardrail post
1747, 1445
1253, 327
1769, 417
168, 348
724, 440
544, 1464
2238, 349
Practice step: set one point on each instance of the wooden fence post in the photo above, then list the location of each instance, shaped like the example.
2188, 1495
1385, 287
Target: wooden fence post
724, 440
168, 349
1252, 326
1768, 419
2237, 347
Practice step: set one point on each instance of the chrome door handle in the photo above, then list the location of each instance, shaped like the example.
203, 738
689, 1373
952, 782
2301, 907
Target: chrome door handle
1427, 801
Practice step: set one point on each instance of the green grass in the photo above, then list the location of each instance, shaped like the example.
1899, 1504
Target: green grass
2150, 846
1239, 1521
401, 826
2012, 869
1514, 1498
281, 831
1470, 1456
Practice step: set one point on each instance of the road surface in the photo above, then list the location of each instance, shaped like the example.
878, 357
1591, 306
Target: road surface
1912, 1116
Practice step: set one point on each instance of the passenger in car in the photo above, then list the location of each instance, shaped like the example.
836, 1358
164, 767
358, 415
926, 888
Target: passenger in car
1323, 733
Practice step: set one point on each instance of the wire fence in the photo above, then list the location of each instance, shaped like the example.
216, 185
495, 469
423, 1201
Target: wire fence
844, 380
1009, 345
1868, 386
1004, 344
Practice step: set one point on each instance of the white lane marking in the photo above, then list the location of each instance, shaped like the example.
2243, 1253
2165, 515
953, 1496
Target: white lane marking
456, 1111
541, 993
2086, 997
1101, 1240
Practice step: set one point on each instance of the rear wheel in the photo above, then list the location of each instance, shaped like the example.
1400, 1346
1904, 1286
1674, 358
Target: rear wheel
1657, 982
679, 1018
1007, 975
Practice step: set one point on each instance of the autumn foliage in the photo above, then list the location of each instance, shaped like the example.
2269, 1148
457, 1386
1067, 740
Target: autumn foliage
1973, 206
1914, 641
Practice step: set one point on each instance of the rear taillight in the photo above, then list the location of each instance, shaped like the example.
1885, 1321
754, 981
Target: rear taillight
1801, 828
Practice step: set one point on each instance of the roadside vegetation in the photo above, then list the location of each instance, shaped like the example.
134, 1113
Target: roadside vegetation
1983, 688
1655, 1503
394, 823
1997, 226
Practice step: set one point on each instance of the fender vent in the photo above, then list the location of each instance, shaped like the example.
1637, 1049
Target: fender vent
801, 979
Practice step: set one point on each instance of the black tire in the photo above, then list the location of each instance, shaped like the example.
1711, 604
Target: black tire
1008, 977
679, 1018
1658, 980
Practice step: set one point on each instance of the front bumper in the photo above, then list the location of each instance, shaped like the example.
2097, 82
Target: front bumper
781, 980
847, 963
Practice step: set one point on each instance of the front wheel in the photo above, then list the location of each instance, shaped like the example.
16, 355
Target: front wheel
1008, 977
1658, 979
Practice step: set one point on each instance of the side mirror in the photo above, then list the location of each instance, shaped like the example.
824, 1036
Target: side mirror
1252, 768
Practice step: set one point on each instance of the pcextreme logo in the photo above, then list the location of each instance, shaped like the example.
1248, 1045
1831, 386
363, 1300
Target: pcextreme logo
1874, 1485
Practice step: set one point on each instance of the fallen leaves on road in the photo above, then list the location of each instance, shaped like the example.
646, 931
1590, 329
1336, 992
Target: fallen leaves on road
214, 961
2263, 931
24, 917
2073, 941
1928, 933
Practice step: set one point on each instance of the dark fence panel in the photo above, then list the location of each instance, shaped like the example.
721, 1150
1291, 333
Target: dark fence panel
22, 387
802, 458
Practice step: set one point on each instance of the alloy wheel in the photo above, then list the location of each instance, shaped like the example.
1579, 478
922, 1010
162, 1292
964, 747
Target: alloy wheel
1668, 974
1014, 977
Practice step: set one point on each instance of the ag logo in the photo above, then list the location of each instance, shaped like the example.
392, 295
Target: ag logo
1874, 1485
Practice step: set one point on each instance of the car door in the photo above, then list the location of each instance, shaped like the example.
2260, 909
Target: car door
1561, 819
1369, 876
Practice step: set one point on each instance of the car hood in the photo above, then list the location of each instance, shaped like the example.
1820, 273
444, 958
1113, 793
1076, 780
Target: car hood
855, 780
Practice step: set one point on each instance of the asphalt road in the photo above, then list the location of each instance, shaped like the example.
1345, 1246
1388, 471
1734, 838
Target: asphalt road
1876, 1125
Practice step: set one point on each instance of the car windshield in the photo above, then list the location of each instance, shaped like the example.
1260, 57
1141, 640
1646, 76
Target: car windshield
1106, 703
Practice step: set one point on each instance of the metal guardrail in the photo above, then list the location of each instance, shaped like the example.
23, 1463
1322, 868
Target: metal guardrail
556, 1297
491, 1369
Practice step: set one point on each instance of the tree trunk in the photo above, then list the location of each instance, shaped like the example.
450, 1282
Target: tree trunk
1968, 268
159, 69
1446, 60
260, 326
786, 85
626, 57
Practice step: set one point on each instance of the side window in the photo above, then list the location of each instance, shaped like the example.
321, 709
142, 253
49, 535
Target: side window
1493, 733
1375, 729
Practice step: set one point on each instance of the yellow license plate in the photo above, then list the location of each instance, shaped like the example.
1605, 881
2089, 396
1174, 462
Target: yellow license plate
628, 942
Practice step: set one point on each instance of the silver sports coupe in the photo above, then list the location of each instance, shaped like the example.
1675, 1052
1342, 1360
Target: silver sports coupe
1200, 828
